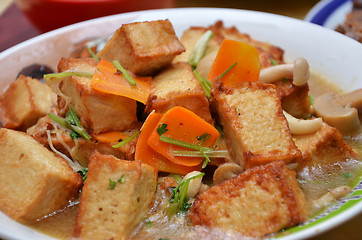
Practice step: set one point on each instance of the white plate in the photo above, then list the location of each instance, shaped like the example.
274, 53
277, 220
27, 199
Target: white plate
329, 13
332, 54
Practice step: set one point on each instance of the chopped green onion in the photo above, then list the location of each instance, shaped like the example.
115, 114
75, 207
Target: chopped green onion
227, 70
93, 54
127, 140
125, 73
178, 199
183, 144
311, 100
210, 154
162, 128
83, 173
272, 61
67, 74
347, 175
112, 183
69, 126
205, 84
207, 160
203, 137
200, 47
148, 223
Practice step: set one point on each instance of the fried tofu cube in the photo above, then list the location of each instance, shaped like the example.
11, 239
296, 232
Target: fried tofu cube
178, 86
24, 102
259, 201
98, 112
115, 199
189, 39
254, 124
143, 47
33, 181
326, 146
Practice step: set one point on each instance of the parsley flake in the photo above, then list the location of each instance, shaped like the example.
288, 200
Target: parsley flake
162, 128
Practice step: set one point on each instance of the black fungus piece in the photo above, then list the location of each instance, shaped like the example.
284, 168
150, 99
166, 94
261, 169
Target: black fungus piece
36, 71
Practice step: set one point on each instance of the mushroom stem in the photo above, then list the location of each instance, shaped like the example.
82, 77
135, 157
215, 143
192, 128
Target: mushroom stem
194, 184
299, 71
300, 126
352, 99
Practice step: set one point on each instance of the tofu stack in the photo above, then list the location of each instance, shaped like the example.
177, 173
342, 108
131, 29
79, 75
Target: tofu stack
254, 124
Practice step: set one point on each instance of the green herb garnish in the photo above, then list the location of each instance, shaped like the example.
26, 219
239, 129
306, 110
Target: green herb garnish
205, 84
347, 175
68, 123
198, 51
212, 153
94, 56
83, 173
183, 144
67, 74
203, 137
112, 183
179, 200
126, 75
272, 61
227, 70
148, 223
127, 140
311, 100
161, 129
207, 159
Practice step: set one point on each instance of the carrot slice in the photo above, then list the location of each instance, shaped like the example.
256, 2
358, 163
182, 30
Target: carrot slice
111, 136
245, 56
107, 80
185, 126
146, 154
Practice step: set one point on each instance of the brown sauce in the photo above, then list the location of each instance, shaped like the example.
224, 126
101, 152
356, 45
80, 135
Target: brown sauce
160, 225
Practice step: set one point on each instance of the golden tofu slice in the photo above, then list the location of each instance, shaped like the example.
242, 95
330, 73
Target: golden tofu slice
143, 47
326, 146
254, 124
24, 102
33, 181
115, 199
178, 86
259, 201
98, 112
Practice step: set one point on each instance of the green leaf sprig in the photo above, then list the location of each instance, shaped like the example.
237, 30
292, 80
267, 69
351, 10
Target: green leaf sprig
199, 50
126, 75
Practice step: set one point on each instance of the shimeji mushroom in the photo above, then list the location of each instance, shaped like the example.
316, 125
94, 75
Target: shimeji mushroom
225, 172
298, 71
301, 126
194, 184
340, 111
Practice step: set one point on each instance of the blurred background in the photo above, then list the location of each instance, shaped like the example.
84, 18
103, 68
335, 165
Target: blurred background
24, 19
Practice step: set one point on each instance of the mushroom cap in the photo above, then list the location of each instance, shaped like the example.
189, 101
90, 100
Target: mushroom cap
351, 99
345, 119
226, 171
194, 184
301, 71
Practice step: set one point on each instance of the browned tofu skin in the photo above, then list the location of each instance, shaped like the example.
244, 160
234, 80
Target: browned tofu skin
143, 47
109, 211
254, 124
24, 102
326, 146
98, 112
178, 86
295, 100
47, 183
81, 151
260, 201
